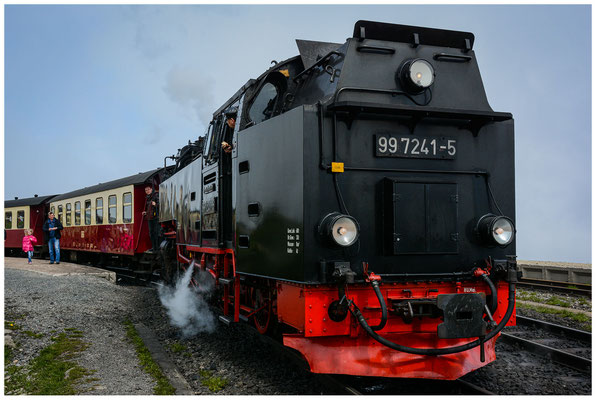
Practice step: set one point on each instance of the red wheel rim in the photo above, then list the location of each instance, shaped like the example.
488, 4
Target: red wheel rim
261, 302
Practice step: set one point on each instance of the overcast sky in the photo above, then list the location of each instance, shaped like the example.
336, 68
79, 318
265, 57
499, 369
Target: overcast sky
95, 93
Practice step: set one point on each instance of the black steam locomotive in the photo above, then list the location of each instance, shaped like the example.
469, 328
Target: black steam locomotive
380, 154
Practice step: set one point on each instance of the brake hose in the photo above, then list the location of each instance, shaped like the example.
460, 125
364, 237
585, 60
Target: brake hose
493, 292
375, 285
437, 352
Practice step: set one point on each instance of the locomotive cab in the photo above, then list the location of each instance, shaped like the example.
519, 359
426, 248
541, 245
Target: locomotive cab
367, 206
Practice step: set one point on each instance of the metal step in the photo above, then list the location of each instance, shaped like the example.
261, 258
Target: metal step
226, 319
226, 281
243, 318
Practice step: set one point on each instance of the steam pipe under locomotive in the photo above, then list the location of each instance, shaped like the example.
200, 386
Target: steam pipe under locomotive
380, 154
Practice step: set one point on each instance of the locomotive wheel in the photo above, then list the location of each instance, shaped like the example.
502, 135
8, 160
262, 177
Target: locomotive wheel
168, 263
261, 301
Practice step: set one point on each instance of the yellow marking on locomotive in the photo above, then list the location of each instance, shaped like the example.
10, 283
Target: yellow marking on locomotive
337, 167
285, 72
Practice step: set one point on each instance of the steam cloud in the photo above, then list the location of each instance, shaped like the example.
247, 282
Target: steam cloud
186, 305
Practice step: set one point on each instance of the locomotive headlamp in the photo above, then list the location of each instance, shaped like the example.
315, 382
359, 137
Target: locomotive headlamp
339, 229
416, 75
496, 230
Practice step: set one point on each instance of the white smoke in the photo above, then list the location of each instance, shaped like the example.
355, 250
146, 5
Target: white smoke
186, 305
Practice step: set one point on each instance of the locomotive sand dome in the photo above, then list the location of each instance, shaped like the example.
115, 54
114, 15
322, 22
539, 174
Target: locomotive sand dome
380, 154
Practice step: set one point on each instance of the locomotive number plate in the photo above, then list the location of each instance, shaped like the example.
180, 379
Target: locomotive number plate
415, 147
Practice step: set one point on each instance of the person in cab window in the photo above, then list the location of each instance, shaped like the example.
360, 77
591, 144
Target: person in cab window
152, 214
226, 145
51, 229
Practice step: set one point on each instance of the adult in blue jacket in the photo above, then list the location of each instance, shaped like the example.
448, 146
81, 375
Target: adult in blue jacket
51, 229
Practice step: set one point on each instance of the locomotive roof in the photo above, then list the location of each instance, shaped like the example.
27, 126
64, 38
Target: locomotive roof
30, 201
136, 179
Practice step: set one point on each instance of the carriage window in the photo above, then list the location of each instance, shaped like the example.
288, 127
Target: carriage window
20, 219
77, 213
87, 212
99, 210
53, 210
262, 107
112, 210
127, 207
60, 212
8, 220
68, 214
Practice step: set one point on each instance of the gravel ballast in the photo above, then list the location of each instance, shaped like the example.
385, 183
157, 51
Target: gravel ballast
229, 361
48, 305
241, 362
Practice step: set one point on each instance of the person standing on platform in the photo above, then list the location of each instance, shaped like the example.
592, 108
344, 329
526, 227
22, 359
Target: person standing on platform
51, 229
152, 214
28, 241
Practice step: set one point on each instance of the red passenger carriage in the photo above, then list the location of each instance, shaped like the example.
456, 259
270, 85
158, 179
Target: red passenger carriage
20, 214
106, 219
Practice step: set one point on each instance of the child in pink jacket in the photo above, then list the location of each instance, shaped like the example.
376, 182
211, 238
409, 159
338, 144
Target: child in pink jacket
28, 241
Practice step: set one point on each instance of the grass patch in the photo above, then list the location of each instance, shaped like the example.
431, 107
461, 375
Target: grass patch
8, 355
578, 317
528, 296
555, 301
12, 325
212, 382
584, 302
177, 347
33, 334
533, 297
51, 373
163, 386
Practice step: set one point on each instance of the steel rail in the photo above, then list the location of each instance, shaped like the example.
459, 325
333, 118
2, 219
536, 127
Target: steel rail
571, 333
566, 287
470, 388
558, 356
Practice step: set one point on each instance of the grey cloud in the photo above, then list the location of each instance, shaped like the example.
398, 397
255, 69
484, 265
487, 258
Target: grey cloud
187, 88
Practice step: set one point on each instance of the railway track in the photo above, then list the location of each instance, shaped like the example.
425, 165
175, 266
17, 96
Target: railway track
563, 345
557, 286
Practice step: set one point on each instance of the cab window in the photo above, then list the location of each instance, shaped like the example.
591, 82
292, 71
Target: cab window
99, 210
263, 105
112, 210
87, 212
208, 139
127, 207
68, 214
8, 220
77, 213
215, 142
